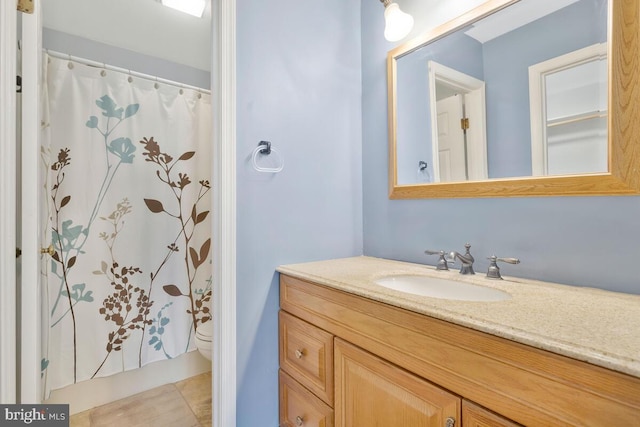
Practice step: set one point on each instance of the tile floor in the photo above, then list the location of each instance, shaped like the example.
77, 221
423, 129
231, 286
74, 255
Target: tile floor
186, 403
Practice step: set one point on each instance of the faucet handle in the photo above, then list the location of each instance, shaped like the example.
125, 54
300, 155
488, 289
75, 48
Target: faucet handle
467, 251
442, 261
494, 270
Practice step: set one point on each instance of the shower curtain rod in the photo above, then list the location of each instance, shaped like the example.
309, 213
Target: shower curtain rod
97, 64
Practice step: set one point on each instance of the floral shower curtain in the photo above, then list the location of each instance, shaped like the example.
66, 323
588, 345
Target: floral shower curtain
126, 169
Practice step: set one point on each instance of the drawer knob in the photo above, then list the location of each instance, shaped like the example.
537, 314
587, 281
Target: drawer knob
299, 354
450, 422
299, 421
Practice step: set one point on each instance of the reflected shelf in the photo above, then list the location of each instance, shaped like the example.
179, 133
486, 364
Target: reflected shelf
576, 118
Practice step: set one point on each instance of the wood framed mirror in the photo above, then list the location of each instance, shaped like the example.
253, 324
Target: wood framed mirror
621, 142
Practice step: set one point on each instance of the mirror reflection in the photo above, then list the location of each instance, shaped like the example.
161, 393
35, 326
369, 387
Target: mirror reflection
521, 92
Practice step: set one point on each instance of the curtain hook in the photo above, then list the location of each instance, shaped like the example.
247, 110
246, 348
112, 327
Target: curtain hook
130, 79
70, 63
156, 84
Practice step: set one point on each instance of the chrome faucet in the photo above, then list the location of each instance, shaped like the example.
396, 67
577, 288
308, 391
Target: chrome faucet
466, 260
442, 261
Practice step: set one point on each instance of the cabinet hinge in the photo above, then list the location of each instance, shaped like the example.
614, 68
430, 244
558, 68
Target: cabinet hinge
464, 124
25, 6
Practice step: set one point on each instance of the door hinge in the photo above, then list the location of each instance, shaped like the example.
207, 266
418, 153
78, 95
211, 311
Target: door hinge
464, 123
25, 6
18, 252
19, 84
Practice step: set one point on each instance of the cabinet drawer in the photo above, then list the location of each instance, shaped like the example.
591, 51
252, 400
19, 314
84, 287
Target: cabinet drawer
306, 353
476, 416
300, 408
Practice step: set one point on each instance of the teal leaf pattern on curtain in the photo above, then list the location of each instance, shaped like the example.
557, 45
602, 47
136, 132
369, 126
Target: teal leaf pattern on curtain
123, 148
110, 108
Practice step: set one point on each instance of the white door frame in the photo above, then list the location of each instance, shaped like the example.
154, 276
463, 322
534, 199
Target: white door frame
224, 204
8, 48
474, 90
224, 213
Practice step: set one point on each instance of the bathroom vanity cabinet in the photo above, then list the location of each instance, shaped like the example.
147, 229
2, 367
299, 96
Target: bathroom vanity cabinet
350, 361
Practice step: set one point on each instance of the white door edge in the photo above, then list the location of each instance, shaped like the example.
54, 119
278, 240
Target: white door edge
31, 194
8, 48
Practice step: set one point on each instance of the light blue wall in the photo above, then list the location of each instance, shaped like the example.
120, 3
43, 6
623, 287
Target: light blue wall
299, 86
586, 241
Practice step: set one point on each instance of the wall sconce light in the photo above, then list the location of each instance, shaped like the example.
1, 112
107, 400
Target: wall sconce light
192, 7
397, 23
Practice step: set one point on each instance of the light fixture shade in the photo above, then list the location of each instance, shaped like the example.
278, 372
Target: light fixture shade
397, 23
192, 7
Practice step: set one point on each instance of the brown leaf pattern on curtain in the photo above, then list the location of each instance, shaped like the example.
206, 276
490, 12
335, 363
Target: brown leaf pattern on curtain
188, 217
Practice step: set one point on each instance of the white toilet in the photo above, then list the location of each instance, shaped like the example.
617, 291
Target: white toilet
204, 335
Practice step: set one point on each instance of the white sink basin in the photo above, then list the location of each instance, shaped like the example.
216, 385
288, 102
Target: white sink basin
436, 287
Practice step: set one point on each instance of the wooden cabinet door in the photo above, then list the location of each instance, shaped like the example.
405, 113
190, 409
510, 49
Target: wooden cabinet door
301, 408
477, 416
371, 392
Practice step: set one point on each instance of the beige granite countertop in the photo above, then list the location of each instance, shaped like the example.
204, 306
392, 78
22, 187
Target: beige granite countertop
587, 324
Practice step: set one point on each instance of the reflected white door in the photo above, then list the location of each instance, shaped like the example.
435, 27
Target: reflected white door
451, 147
